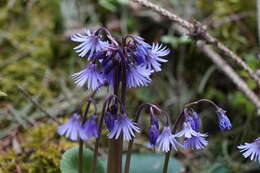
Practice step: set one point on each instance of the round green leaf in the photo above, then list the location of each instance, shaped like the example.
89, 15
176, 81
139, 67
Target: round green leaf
70, 161
152, 163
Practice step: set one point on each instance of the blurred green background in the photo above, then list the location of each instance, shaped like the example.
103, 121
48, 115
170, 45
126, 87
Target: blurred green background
37, 56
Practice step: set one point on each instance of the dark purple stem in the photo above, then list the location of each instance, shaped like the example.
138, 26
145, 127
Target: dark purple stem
81, 141
114, 164
106, 103
131, 142
178, 121
202, 100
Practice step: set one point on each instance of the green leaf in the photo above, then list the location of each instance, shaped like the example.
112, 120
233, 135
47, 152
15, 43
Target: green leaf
152, 163
70, 159
2, 94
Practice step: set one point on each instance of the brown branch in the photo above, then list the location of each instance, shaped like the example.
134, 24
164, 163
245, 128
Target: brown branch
199, 32
230, 73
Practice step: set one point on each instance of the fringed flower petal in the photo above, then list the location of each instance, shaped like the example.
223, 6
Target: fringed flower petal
123, 125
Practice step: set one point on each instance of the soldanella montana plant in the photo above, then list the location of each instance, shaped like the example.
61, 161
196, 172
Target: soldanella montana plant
119, 66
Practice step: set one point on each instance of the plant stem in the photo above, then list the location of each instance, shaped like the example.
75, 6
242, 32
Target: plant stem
166, 161
128, 156
80, 156
81, 160
114, 164
131, 142
202, 100
94, 161
168, 154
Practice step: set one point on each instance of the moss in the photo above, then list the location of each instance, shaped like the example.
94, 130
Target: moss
42, 151
32, 29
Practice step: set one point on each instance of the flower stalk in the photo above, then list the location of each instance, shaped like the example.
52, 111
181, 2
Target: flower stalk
81, 143
168, 154
105, 105
131, 142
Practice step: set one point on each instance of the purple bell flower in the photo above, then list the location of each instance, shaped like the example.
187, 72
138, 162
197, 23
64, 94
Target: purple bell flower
138, 76
193, 139
89, 44
195, 143
90, 75
153, 60
154, 121
223, 121
109, 121
73, 129
166, 140
251, 150
91, 127
141, 46
194, 121
114, 109
142, 50
153, 134
124, 126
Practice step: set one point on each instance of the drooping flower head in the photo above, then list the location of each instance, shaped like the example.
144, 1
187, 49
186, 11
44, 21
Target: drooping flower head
154, 121
109, 120
90, 44
154, 59
124, 126
91, 127
166, 140
90, 75
141, 49
193, 118
73, 129
195, 143
131, 62
153, 134
223, 121
149, 56
193, 139
251, 150
138, 76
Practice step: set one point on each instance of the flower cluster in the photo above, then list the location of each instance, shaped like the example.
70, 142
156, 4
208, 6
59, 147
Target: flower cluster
116, 125
193, 138
164, 139
133, 61
129, 64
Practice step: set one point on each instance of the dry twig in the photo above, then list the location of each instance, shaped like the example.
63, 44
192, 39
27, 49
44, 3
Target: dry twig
199, 32
242, 85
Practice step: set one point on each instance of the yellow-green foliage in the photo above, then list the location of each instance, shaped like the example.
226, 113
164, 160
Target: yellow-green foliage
42, 150
27, 28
